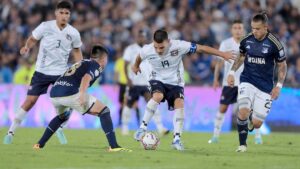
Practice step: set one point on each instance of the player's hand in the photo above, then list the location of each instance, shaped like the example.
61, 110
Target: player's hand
81, 99
216, 84
230, 55
230, 80
275, 92
24, 50
136, 69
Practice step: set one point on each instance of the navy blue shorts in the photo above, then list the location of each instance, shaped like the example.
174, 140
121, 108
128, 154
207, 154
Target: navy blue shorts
229, 95
170, 92
39, 83
134, 93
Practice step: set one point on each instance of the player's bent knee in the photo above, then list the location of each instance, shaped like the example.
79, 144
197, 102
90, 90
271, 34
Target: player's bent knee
244, 103
179, 103
157, 96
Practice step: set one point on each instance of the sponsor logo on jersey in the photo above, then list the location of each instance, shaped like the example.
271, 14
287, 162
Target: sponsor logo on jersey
265, 50
174, 52
249, 41
260, 61
264, 44
62, 83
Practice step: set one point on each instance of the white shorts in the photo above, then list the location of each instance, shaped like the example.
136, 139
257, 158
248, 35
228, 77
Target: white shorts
260, 102
62, 104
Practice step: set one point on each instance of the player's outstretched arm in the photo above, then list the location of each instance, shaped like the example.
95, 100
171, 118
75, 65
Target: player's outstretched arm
84, 84
282, 69
237, 63
213, 51
136, 66
77, 54
31, 41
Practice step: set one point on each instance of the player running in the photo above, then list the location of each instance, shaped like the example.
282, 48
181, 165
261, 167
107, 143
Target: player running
57, 39
138, 84
165, 57
229, 94
69, 91
259, 51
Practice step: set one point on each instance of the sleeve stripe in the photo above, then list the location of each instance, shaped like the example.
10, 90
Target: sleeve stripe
275, 41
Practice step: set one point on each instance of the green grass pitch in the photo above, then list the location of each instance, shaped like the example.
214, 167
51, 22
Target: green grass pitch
86, 149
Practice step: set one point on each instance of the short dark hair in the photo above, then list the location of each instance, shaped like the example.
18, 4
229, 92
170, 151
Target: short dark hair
64, 4
160, 35
260, 17
98, 51
236, 21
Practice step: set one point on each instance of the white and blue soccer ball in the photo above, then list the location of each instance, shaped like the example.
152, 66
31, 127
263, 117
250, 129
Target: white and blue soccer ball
150, 141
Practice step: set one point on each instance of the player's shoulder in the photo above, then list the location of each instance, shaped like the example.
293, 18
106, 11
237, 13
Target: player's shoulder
247, 37
176, 42
72, 29
227, 41
148, 47
275, 41
133, 46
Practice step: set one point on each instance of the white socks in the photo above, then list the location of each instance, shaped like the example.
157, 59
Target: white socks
17, 121
257, 133
178, 120
157, 120
149, 112
126, 114
219, 120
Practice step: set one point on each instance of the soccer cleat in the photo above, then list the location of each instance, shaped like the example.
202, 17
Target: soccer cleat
8, 138
258, 140
242, 148
37, 147
138, 135
213, 140
61, 137
119, 149
177, 145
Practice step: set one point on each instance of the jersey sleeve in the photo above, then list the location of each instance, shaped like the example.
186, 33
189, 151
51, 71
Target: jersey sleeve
38, 32
127, 55
280, 55
187, 47
222, 47
143, 53
77, 40
93, 69
242, 46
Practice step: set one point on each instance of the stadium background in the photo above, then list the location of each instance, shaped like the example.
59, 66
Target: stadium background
115, 23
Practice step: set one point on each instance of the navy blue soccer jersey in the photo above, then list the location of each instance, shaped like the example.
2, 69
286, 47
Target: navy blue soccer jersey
69, 83
260, 60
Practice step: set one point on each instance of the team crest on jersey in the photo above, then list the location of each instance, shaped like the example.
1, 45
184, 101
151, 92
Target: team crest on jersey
174, 52
69, 37
265, 50
248, 47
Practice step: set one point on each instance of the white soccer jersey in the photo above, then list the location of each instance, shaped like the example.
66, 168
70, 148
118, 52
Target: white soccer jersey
231, 45
55, 47
168, 68
130, 54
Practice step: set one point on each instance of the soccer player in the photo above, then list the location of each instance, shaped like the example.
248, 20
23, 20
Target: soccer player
138, 84
57, 39
229, 94
165, 57
69, 91
259, 51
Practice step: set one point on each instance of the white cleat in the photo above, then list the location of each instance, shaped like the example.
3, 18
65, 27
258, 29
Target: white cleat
242, 149
177, 145
138, 135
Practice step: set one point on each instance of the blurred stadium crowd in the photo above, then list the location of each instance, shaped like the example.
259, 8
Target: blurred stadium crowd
116, 22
